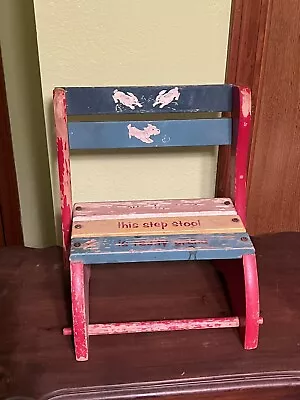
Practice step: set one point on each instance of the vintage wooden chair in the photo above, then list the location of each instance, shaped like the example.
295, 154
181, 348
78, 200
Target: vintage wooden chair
158, 230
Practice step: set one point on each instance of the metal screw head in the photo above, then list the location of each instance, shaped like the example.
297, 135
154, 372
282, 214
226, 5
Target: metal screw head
77, 244
226, 203
77, 226
235, 220
244, 239
78, 208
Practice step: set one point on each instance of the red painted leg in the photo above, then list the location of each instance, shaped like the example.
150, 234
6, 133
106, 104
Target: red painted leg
242, 285
80, 306
252, 302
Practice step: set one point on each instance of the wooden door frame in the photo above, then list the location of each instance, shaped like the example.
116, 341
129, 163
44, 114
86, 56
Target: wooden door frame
247, 38
10, 216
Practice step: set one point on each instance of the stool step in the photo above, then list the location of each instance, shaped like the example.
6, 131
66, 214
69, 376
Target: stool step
160, 326
152, 208
101, 250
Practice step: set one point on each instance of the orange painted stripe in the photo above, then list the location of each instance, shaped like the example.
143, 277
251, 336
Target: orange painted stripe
158, 226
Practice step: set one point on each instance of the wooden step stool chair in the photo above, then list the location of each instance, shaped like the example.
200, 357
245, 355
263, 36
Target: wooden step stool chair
158, 230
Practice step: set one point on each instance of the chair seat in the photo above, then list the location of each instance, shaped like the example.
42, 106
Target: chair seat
157, 230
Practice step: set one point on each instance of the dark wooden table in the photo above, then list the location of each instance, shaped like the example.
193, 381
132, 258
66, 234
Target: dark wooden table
35, 359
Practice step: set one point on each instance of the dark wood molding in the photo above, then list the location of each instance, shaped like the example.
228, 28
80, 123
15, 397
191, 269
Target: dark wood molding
2, 242
187, 388
9, 197
244, 66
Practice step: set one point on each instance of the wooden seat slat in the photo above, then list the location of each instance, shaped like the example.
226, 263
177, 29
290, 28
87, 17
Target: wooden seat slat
158, 225
152, 208
117, 249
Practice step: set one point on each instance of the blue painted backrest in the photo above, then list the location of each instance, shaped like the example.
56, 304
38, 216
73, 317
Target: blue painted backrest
129, 133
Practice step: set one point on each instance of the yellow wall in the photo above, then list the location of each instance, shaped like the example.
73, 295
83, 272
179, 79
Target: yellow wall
24, 96
103, 42
100, 42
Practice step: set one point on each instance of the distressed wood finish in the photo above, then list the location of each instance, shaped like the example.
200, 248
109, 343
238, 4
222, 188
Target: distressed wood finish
241, 144
63, 159
80, 308
158, 225
242, 283
152, 208
252, 320
233, 183
126, 232
160, 326
97, 250
134, 134
141, 99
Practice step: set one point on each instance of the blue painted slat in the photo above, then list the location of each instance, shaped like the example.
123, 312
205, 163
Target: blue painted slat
160, 248
107, 135
143, 99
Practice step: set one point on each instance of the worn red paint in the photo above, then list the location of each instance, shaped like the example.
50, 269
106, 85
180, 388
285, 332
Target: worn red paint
159, 326
241, 142
249, 318
80, 305
252, 302
242, 284
63, 159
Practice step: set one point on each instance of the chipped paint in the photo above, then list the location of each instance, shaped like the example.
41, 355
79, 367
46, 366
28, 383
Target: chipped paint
246, 102
153, 208
242, 131
63, 159
80, 304
252, 319
164, 98
90, 244
143, 134
159, 326
127, 99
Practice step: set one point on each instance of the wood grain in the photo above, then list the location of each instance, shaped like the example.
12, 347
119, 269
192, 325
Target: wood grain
264, 54
275, 168
244, 64
157, 226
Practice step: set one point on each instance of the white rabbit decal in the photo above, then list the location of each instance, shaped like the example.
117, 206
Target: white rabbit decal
164, 98
127, 99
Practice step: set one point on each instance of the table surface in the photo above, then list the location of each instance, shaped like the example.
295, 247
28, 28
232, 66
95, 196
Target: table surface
36, 359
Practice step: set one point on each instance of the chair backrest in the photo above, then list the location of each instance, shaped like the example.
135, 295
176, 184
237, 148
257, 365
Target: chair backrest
128, 132
149, 100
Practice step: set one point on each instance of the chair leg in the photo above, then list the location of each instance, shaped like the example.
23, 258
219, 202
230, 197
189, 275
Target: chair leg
242, 285
80, 308
252, 302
